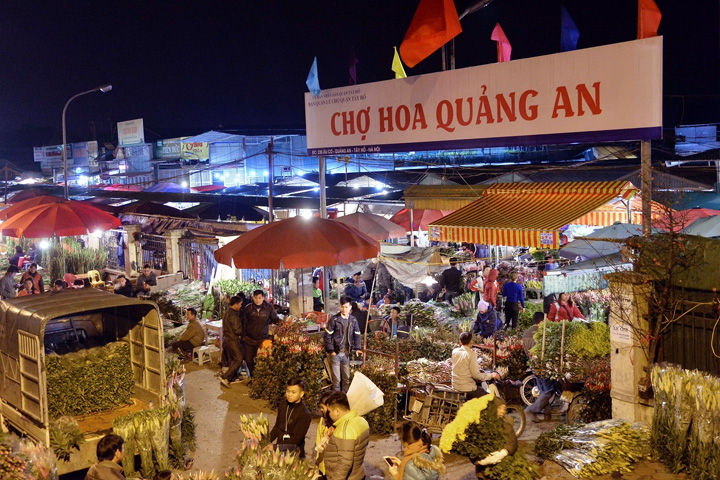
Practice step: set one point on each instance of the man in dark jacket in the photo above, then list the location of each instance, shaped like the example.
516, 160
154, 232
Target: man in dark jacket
257, 319
342, 335
450, 281
232, 322
293, 419
123, 286
487, 321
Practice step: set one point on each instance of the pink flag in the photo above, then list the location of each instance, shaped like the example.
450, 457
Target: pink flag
503, 44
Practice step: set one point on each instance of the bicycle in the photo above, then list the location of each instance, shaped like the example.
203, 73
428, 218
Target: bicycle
568, 401
441, 403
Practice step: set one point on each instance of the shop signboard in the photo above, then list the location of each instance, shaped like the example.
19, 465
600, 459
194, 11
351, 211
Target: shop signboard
131, 132
85, 154
169, 148
195, 150
607, 93
51, 156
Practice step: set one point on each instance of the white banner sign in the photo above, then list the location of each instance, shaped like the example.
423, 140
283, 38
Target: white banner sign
606, 93
131, 132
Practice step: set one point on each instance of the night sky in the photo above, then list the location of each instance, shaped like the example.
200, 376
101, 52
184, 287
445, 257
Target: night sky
187, 67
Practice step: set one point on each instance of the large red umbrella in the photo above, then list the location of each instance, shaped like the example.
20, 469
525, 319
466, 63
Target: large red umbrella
119, 187
28, 193
23, 205
374, 226
683, 218
63, 218
298, 243
421, 218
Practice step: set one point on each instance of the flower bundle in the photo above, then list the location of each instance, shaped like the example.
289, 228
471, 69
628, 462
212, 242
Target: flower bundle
583, 342
421, 314
427, 371
255, 428
594, 303
597, 448
477, 431
125, 427
465, 304
686, 421
292, 354
22, 459
65, 436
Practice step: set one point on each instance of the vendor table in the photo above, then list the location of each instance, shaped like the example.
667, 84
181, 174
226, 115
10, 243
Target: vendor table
216, 327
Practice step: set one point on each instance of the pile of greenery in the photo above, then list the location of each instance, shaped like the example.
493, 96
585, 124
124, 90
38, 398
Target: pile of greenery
146, 433
381, 372
525, 318
413, 348
421, 314
582, 342
291, 354
477, 431
70, 256
89, 381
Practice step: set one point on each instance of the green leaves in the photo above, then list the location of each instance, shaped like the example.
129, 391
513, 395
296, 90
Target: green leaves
65, 436
89, 381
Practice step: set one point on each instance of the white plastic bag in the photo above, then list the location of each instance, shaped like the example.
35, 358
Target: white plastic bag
363, 395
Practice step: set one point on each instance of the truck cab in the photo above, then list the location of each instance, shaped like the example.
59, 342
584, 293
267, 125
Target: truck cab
36, 326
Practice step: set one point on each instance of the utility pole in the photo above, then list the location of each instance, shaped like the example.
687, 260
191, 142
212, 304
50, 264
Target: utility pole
646, 188
271, 178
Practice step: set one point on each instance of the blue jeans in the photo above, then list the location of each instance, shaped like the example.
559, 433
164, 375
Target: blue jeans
547, 389
340, 365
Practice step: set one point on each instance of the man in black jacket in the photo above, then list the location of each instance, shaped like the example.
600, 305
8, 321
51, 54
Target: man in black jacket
342, 335
293, 419
257, 319
232, 337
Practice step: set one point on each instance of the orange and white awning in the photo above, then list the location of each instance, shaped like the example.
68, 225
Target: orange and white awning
526, 214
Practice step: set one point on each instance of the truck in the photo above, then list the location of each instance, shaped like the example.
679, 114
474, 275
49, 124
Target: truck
35, 326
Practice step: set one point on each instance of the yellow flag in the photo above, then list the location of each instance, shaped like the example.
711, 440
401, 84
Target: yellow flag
397, 66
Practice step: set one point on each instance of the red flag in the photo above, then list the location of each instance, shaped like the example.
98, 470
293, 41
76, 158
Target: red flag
649, 16
435, 23
504, 48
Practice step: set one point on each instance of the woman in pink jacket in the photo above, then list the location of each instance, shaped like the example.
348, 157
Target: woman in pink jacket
564, 309
490, 288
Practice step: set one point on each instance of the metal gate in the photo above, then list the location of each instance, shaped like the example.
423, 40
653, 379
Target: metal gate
154, 251
109, 242
196, 257
693, 341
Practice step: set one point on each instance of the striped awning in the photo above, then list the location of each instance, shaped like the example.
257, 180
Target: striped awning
616, 211
526, 214
441, 197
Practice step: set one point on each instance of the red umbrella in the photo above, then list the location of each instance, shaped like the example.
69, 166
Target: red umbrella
683, 218
374, 226
25, 204
298, 243
25, 194
119, 187
63, 218
421, 218
207, 188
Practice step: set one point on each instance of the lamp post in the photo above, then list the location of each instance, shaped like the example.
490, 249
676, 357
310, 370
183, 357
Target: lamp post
101, 88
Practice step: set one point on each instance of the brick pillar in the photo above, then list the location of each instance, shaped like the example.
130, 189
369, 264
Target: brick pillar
172, 246
133, 252
628, 320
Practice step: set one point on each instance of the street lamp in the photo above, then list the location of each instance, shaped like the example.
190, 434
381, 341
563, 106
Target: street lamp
101, 88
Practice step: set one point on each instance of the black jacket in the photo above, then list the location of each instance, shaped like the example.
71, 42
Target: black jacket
256, 322
293, 420
339, 332
450, 279
232, 324
127, 290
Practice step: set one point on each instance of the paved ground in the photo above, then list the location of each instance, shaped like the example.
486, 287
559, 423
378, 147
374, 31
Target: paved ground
218, 411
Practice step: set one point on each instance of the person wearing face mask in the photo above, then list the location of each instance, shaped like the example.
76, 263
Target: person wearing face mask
293, 419
421, 460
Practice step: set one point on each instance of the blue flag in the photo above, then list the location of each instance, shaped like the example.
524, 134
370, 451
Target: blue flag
312, 82
570, 32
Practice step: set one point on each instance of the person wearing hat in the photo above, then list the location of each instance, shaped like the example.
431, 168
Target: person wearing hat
487, 321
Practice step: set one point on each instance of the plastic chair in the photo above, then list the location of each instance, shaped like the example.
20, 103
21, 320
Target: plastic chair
95, 280
201, 354
69, 278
